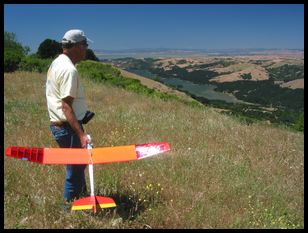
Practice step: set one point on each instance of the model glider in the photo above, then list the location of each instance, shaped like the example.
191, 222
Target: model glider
88, 156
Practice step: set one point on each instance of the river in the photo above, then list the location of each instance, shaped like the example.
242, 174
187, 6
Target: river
202, 90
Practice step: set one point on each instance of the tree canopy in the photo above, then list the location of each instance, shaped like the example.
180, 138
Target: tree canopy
13, 52
49, 49
91, 56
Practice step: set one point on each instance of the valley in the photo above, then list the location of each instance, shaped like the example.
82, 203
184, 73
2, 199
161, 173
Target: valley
256, 87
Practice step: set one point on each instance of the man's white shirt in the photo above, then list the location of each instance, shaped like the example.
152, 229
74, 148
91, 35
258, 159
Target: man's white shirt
63, 81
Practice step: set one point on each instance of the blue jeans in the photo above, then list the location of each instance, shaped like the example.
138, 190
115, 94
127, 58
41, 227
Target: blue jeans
75, 183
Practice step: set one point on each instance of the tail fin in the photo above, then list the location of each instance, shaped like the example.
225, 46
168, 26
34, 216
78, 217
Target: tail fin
92, 202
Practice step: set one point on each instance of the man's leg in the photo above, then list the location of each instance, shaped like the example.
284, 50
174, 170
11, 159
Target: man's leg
75, 184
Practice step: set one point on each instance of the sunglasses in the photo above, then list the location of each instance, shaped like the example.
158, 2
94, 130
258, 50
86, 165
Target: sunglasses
84, 43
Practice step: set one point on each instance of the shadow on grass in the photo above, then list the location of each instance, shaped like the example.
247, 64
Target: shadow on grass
128, 207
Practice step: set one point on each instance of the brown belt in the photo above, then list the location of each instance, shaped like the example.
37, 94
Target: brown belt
61, 123
58, 123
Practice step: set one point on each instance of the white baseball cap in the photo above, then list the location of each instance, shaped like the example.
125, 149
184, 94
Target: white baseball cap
74, 36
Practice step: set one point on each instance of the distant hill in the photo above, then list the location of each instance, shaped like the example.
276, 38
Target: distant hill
174, 52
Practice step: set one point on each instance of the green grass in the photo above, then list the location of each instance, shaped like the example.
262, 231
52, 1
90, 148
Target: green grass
219, 174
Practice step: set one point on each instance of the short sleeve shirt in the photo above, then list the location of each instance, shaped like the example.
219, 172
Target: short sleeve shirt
63, 81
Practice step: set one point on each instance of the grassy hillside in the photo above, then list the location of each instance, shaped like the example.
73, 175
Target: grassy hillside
219, 174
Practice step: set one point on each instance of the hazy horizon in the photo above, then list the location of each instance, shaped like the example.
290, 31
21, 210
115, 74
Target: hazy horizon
200, 49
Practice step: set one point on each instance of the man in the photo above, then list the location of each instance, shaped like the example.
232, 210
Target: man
67, 106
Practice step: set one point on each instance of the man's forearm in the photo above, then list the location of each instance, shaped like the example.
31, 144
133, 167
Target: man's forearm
72, 120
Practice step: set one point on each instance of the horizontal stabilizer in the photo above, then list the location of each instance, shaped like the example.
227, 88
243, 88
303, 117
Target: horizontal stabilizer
92, 202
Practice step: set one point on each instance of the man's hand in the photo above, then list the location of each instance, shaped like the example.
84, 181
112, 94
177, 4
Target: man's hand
72, 120
84, 140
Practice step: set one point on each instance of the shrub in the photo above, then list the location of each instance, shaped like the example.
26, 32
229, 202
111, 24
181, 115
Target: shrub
299, 124
97, 71
34, 64
13, 52
11, 61
246, 76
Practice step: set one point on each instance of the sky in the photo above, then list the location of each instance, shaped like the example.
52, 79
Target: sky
177, 26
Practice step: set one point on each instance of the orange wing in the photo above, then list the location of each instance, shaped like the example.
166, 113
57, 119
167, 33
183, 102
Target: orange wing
87, 156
